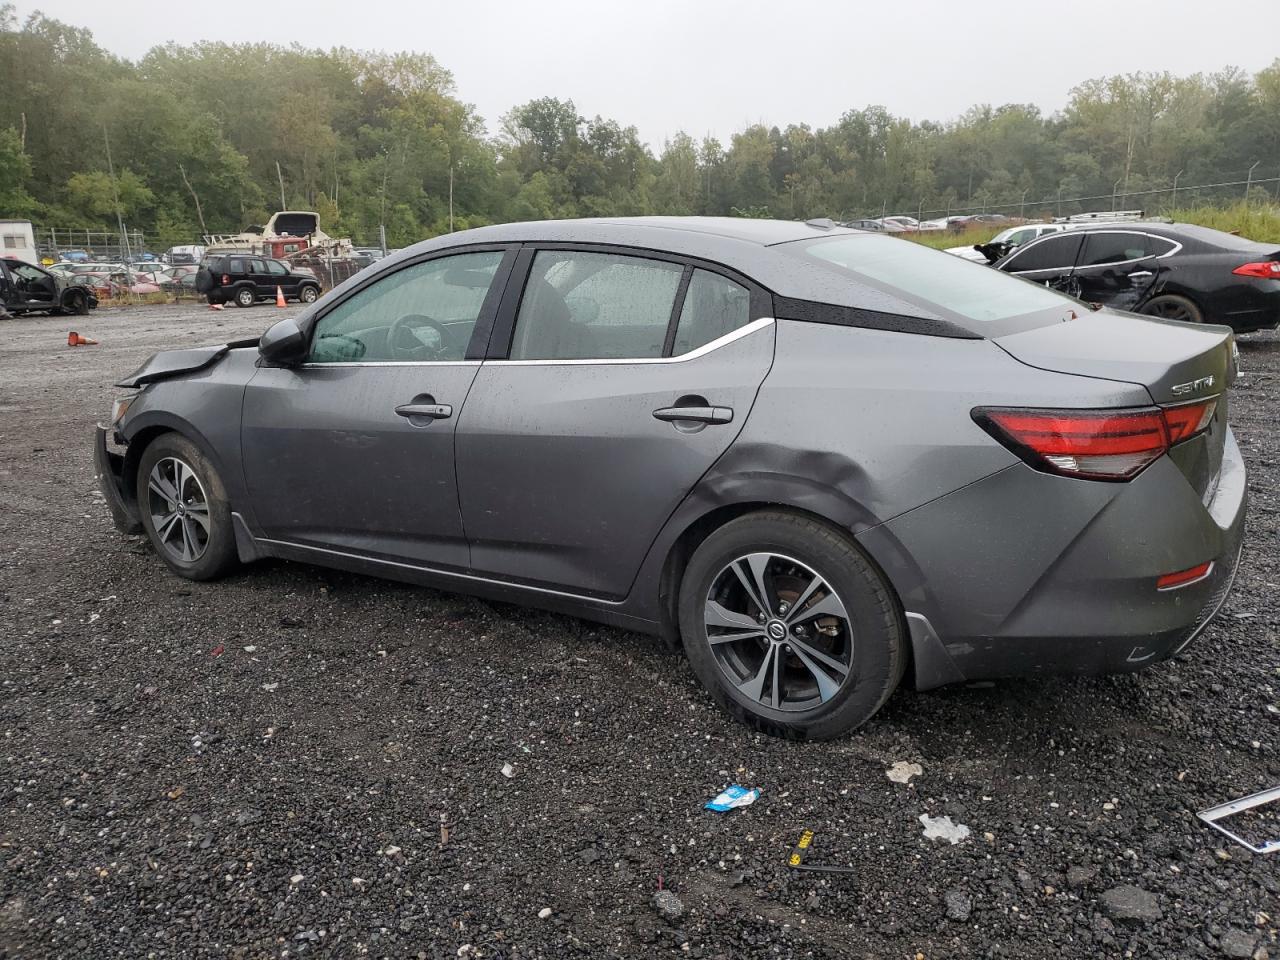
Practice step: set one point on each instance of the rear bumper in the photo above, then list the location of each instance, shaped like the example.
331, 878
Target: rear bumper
109, 469
1025, 574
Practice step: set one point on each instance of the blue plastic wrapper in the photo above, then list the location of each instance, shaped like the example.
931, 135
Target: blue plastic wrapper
732, 797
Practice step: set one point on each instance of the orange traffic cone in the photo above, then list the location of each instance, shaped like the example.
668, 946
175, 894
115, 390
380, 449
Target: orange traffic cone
279, 297
75, 340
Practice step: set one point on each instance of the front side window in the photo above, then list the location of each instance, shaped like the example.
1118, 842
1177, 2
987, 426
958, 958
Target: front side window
713, 306
591, 306
422, 313
1053, 253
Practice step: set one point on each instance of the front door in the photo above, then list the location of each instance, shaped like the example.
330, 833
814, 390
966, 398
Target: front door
353, 450
625, 379
278, 275
36, 290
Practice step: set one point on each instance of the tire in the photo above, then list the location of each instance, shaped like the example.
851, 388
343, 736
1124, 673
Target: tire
204, 280
1170, 306
190, 547
76, 302
245, 297
869, 641
308, 294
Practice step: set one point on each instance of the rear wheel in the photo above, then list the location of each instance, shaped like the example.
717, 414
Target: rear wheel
790, 627
1173, 307
185, 510
245, 297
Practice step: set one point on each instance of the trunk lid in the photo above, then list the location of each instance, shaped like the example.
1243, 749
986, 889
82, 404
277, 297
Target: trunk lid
1175, 362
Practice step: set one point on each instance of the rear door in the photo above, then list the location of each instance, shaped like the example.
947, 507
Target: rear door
617, 378
263, 283
1118, 268
353, 450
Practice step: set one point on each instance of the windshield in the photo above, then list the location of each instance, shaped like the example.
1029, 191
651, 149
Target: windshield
986, 301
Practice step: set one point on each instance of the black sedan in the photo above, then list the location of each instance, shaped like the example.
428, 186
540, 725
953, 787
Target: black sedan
1174, 270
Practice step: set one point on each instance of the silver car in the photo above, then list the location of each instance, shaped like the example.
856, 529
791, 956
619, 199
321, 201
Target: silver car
821, 459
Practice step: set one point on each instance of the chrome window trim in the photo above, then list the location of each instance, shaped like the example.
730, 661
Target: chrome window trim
743, 331
1177, 246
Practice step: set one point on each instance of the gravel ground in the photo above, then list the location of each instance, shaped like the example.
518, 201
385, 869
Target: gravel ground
298, 762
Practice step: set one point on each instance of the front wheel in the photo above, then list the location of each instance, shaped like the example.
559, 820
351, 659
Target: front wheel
309, 295
790, 627
185, 510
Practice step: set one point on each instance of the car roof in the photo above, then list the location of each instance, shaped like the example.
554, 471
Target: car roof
740, 243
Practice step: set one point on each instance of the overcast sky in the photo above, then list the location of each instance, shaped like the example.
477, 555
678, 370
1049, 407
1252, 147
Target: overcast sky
715, 66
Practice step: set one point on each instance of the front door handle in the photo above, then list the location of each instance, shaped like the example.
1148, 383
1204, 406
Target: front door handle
431, 411
695, 414
1140, 274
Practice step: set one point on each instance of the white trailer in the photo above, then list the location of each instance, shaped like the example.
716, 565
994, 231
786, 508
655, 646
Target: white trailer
18, 241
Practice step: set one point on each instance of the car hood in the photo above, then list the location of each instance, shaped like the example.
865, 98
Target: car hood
172, 363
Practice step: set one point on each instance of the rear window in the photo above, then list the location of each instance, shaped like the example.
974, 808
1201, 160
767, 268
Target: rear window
942, 283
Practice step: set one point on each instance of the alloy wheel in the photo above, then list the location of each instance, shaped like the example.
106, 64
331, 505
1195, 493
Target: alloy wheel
779, 632
179, 510
1171, 310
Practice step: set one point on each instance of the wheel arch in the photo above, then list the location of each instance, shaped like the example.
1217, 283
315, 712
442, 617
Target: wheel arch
695, 531
152, 426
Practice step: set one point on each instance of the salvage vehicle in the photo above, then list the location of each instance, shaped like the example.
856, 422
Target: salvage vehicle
26, 288
1004, 242
244, 280
822, 459
1178, 271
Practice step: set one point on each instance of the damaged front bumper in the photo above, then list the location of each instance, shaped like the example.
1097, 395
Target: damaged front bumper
109, 469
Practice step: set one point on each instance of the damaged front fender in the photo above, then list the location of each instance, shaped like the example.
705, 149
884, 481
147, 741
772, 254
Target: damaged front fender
171, 363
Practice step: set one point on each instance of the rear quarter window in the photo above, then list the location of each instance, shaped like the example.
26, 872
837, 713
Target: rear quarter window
983, 300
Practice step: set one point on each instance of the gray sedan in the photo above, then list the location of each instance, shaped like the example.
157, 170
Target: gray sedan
820, 459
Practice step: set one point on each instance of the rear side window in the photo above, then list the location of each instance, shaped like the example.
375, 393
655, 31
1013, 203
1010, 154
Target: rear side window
235, 266
713, 306
594, 306
1101, 249
1052, 253
938, 281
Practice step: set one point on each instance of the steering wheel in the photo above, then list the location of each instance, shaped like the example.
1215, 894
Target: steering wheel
402, 342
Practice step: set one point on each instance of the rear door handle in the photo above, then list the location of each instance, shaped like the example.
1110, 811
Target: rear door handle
695, 414
432, 411
1140, 274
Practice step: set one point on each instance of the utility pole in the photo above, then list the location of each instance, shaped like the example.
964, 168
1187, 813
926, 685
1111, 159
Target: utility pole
280, 175
1174, 204
1059, 201
1249, 181
199, 213
451, 190
1114, 188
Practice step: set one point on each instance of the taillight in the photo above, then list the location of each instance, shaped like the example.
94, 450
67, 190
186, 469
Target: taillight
1265, 270
1094, 444
1185, 421
226, 280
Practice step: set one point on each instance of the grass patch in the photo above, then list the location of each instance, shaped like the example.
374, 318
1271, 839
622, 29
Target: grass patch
1257, 221
941, 239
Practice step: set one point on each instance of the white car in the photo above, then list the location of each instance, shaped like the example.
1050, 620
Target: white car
1014, 236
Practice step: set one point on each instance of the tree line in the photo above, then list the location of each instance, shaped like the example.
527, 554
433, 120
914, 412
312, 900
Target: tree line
211, 137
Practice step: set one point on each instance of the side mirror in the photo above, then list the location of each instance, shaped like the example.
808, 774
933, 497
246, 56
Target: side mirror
284, 343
